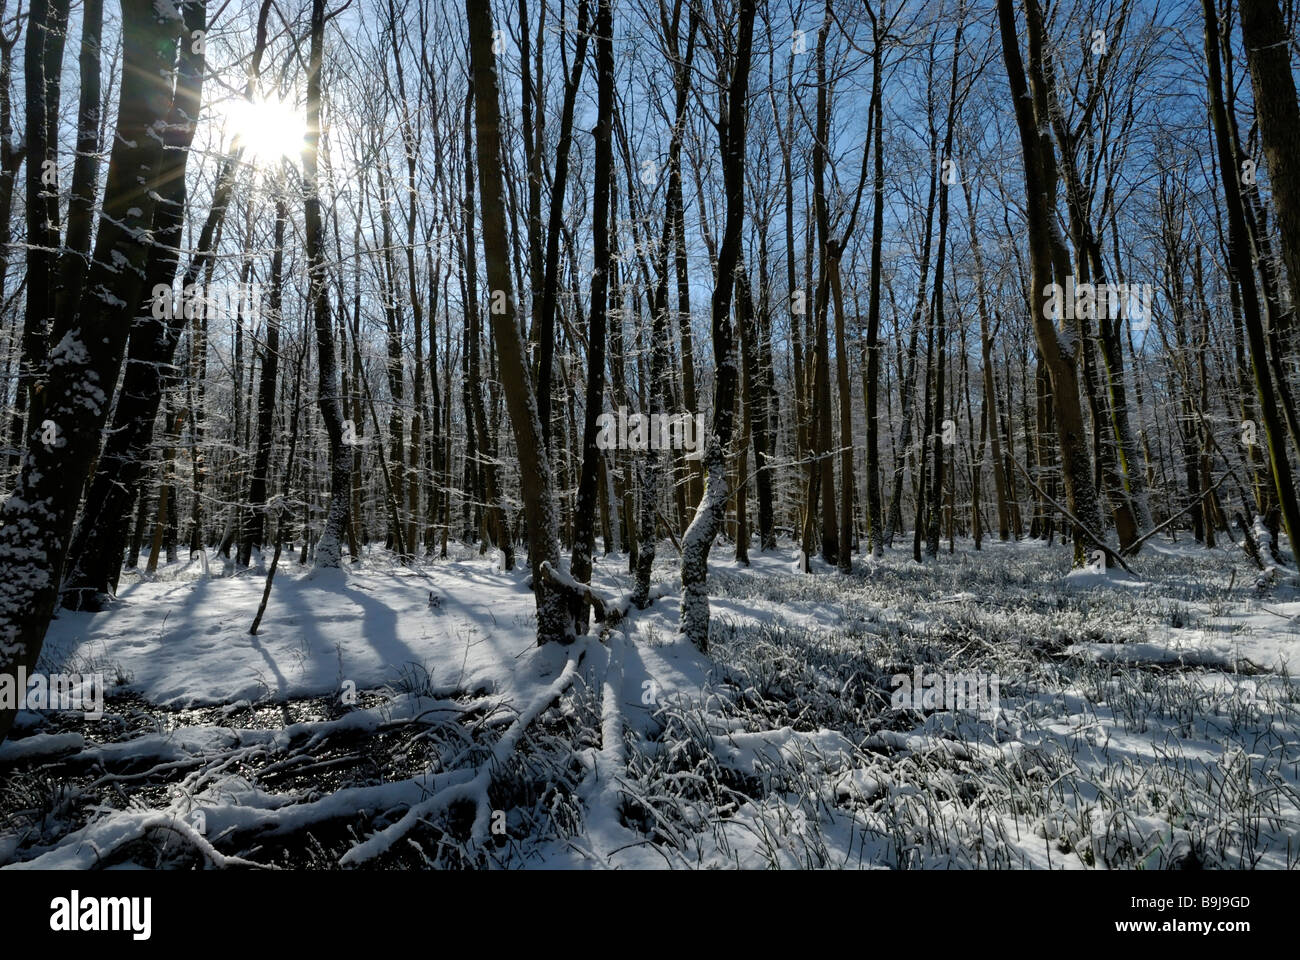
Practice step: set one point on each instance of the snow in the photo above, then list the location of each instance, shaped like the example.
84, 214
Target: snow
166, 11
1141, 719
185, 641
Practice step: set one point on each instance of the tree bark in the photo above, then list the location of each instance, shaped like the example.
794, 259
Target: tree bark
1049, 262
1268, 54
553, 620
699, 536
36, 520
584, 536
328, 394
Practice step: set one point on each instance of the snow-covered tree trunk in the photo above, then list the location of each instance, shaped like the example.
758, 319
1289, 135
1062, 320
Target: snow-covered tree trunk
647, 512
36, 520
871, 369
94, 560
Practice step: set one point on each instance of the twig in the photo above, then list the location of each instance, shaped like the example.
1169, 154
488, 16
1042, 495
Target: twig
669, 530
1075, 520
1132, 547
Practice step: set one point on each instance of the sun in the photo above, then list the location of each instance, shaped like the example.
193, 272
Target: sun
268, 129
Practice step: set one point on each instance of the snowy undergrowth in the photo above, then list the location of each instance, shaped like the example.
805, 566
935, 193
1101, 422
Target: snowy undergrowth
1145, 722
1182, 755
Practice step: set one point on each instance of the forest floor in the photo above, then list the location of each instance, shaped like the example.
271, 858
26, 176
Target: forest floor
403, 717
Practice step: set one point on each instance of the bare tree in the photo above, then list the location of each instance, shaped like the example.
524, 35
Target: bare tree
699, 536
36, 520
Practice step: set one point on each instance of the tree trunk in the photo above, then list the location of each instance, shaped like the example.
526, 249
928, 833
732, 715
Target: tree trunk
1239, 253
328, 397
255, 519
1268, 53
94, 560
584, 537
1049, 263
553, 620
36, 520
699, 536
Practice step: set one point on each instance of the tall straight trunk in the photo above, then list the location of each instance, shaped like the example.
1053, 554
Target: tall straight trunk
618, 389
845, 390
484, 463
990, 394
743, 528
328, 394
544, 330
85, 168
254, 530
47, 25
410, 145
937, 421
584, 537
236, 474
396, 373
196, 389
436, 438
699, 536
694, 486
356, 515
764, 390
1174, 250
871, 387
798, 307
695, 468
1268, 54
554, 622
1049, 263
757, 404
36, 520
929, 405
1243, 268
448, 446
893, 519
660, 335
821, 466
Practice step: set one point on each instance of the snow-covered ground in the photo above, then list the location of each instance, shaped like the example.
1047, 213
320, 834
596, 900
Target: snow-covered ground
404, 717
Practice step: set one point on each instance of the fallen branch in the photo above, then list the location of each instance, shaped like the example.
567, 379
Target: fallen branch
669, 530
475, 789
1106, 549
1136, 544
